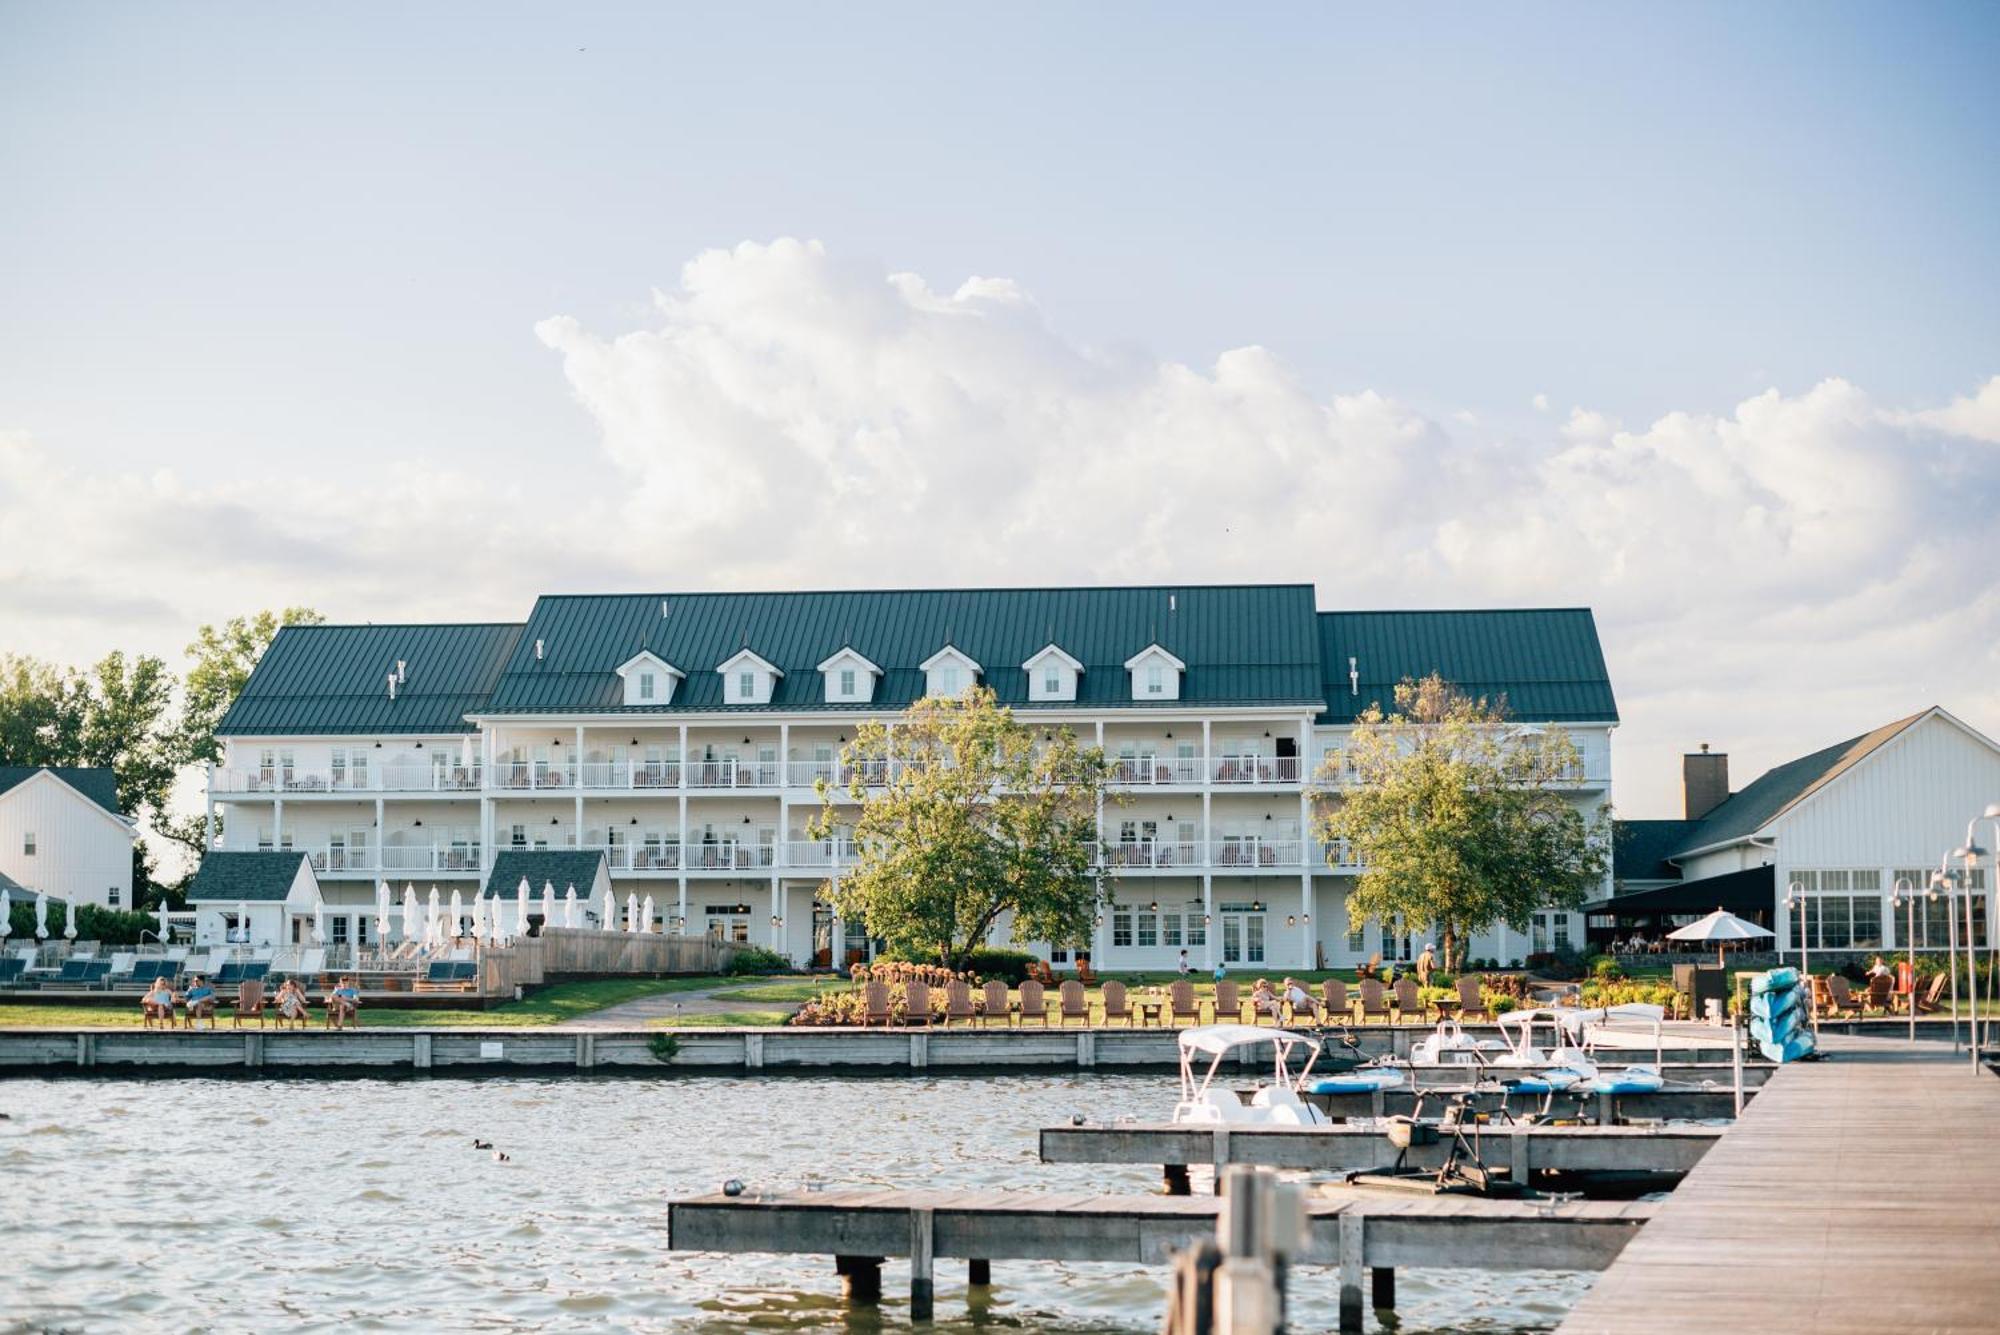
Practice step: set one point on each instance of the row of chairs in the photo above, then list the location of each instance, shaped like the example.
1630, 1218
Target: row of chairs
1031, 1004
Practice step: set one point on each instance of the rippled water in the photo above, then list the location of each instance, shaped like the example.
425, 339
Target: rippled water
338, 1204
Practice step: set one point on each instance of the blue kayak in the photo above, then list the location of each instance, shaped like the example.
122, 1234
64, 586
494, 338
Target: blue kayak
1631, 1080
1357, 1082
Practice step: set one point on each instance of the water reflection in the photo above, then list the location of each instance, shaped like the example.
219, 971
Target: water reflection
234, 1204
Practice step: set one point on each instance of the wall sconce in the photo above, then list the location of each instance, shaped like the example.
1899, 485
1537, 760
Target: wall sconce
1267, 815
378, 746
1170, 737
1256, 906
776, 921
635, 820
420, 825
558, 741
1206, 920
420, 746
1291, 921
1100, 920
1267, 732
1153, 907
554, 821
1305, 917
635, 741
746, 740
841, 738
746, 820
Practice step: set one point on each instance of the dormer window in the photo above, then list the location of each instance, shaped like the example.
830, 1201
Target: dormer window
850, 678
1156, 674
748, 679
649, 679
949, 673
1052, 674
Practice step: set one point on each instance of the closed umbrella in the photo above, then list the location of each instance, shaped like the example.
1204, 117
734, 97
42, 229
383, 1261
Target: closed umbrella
41, 916
319, 922
496, 921
631, 912
646, 915
569, 907
69, 919
548, 905
409, 912
243, 921
7, 914
478, 930
381, 910
456, 922
521, 908
164, 928
1719, 928
431, 920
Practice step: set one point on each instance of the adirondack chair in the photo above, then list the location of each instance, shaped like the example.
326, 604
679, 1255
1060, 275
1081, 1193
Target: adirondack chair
1879, 999
1929, 1001
249, 1003
1408, 1000
995, 1004
1116, 1006
1471, 1006
1333, 996
917, 999
1185, 1005
1228, 1001
875, 1005
1074, 1002
1840, 996
1034, 1005
958, 1003
1374, 1000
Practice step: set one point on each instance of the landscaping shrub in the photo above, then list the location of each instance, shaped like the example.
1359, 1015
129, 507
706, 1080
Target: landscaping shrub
1605, 969
758, 960
1558, 965
111, 927
1011, 965
1597, 993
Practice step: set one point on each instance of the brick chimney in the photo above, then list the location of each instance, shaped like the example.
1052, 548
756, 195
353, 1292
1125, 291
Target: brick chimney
1704, 781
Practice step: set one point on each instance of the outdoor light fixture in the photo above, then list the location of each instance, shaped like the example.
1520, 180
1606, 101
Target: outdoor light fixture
635, 820
1153, 907
1256, 906
419, 823
1206, 920
1170, 737
635, 741
746, 741
1100, 920
1291, 921
1305, 917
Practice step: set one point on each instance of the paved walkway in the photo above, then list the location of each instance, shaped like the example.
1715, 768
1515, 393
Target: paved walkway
669, 1005
1857, 1193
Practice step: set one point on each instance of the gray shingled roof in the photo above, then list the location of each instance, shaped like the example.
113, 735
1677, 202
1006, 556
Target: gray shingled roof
335, 680
98, 784
1640, 848
1778, 790
561, 868
1546, 662
254, 877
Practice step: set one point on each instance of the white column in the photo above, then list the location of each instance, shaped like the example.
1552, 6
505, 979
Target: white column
576, 769
778, 915
486, 852
208, 796
381, 833
1306, 917
681, 772
278, 822
1500, 941
1212, 928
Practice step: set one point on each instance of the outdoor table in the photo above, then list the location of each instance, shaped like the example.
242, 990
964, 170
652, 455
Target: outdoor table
1150, 1012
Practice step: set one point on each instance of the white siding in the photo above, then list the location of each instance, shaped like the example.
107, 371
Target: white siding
1901, 807
80, 853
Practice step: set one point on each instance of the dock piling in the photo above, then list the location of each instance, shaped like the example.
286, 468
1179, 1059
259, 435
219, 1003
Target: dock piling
979, 1272
922, 1287
1174, 1180
1350, 1270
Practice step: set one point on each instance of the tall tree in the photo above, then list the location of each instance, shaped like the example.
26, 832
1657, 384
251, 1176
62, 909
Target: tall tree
1461, 818
980, 817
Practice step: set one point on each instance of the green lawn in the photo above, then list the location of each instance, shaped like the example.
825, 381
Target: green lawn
723, 1020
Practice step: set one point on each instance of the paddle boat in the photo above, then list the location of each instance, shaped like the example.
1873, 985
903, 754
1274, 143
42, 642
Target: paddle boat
1203, 1102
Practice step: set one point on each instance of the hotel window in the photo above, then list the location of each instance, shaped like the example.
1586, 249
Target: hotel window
1357, 934
1941, 921
1051, 681
1149, 929
28, 844
1197, 930
111, 896
1170, 929
1156, 680
1121, 927
1561, 924
746, 686
947, 681
646, 685
847, 682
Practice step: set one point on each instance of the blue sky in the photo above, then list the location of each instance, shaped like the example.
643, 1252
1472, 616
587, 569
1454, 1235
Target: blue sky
282, 269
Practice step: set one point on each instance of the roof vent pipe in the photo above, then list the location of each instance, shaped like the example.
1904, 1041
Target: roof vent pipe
663, 607
1173, 602
392, 685
400, 677
1353, 676
538, 651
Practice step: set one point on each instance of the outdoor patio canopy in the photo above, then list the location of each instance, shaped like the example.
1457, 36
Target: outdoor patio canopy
1748, 894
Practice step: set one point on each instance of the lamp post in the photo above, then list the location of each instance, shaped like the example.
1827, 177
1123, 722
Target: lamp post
1992, 815
1944, 881
1795, 897
1972, 852
1906, 899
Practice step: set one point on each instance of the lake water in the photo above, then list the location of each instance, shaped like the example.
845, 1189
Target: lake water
361, 1204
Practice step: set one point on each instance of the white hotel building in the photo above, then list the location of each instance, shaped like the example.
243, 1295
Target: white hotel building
682, 735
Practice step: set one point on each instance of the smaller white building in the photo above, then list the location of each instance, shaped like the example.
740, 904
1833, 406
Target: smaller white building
254, 899
61, 833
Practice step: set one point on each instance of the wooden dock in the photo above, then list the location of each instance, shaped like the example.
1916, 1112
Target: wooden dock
1861, 1191
1353, 1230
1523, 1149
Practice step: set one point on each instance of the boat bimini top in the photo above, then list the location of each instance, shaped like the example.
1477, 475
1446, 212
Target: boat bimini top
1276, 1104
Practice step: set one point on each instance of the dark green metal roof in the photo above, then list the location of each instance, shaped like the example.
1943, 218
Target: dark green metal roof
99, 785
1545, 661
561, 868
1777, 790
1243, 644
334, 679
1640, 848
253, 877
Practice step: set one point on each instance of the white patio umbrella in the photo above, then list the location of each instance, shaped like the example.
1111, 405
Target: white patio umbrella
381, 910
243, 919
496, 921
478, 932
7, 914
646, 915
431, 920
164, 928
41, 916
548, 905
456, 923
1719, 928
569, 907
409, 912
319, 921
69, 918
631, 912
521, 908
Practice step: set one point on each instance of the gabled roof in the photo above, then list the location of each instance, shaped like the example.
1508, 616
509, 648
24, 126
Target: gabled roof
255, 877
334, 680
1640, 848
951, 651
97, 784
645, 656
560, 867
1154, 650
1546, 661
13, 886
847, 651
1778, 790
726, 664
1244, 644
1048, 650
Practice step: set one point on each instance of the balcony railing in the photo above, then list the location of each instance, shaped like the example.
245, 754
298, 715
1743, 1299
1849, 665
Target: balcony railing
733, 773
1154, 771
1256, 769
278, 779
1154, 853
819, 853
1254, 852
729, 856
841, 774
520, 775
432, 858
626, 775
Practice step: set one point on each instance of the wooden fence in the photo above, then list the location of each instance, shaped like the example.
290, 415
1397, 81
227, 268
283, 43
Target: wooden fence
573, 952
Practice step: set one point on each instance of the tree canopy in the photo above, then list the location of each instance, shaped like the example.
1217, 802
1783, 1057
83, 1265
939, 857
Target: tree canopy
981, 816
1461, 818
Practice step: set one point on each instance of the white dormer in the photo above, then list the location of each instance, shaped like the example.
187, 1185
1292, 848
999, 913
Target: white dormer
1052, 674
949, 673
1156, 674
850, 678
649, 679
748, 679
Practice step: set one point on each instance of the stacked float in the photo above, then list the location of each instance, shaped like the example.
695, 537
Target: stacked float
1778, 1018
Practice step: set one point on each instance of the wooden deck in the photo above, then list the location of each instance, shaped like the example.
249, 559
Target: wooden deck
1861, 1192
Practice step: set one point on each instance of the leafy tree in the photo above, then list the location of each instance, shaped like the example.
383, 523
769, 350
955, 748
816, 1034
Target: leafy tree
1460, 818
978, 818
222, 658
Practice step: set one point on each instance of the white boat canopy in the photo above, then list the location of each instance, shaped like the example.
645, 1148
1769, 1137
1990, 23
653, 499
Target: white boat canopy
1216, 1039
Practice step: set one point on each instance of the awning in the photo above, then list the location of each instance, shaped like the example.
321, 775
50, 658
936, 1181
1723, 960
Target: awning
1748, 894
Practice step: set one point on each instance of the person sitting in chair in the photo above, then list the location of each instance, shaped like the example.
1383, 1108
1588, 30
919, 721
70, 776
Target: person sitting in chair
200, 1001
292, 1001
343, 1004
1880, 970
158, 1003
1300, 1001
1263, 1001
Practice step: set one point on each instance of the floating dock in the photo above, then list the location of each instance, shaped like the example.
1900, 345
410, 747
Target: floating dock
1864, 1190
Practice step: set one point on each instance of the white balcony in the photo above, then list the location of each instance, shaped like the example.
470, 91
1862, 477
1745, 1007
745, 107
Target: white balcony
1154, 854
819, 854
841, 774
725, 855
630, 775
437, 777
1155, 771
1251, 853
411, 858
530, 775
1256, 770
287, 781
709, 775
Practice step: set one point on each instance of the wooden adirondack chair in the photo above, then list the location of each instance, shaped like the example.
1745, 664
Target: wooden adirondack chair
1333, 996
249, 1004
1374, 1000
917, 1003
1471, 1006
996, 1004
1073, 1002
875, 1005
1183, 1002
1034, 1006
1228, 1001
958, 1003
1408, 1000
1116, 1006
